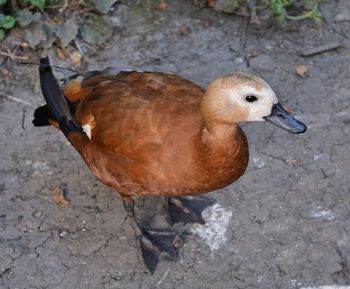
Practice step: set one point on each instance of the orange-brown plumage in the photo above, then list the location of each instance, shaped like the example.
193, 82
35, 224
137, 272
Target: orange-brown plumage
148, 136
154, 133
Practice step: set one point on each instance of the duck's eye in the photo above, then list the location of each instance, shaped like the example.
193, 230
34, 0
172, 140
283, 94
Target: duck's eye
251, 98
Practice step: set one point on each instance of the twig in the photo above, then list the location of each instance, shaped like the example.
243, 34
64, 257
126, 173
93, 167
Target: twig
48, 18
64, 7
21, 44
243, 37
90, 47
23, 117
13, 4
161, 280
13, 56
16, 99
54, 66
320, 49
78, 45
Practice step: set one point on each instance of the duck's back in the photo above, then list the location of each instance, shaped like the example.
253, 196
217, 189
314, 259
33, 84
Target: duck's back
135, 110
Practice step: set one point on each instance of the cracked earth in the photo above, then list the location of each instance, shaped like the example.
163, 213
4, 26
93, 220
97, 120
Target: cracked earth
289, 226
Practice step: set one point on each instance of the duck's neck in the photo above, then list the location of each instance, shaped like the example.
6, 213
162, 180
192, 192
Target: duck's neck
219, 133
223, 142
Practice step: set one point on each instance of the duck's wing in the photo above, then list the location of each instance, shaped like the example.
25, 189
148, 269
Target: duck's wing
134, 112
155, 85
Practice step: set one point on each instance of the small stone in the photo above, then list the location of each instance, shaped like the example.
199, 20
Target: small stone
115, 21
347, 130
342, 16
269, 45
37, 214
259, 163
238, 60
263, 63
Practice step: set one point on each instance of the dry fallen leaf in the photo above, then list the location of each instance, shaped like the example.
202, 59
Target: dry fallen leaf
254, 18
302, 70
61, 53
162, 5
5, 71
75, 58
184, 30
291, 161
59, 198
206, 24
211, 3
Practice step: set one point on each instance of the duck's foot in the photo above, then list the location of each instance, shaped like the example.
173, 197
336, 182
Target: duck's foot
153, 242
188, 209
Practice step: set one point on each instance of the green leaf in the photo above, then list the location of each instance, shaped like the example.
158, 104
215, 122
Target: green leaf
2, 35
7, 21
34, 34
67, 32
227, 6
104, 5
37, 3
49, 30
310, 4
96, 30
25, 17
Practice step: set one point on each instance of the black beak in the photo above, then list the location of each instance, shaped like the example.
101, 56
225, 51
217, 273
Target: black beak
280, 117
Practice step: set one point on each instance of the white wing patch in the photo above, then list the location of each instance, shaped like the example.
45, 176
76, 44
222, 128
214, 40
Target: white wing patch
87, 130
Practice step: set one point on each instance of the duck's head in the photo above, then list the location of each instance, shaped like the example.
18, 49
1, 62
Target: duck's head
243, 97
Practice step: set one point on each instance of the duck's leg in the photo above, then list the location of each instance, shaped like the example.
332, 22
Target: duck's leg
153, 241
188, 209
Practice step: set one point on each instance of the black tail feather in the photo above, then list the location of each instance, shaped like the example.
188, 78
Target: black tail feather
41, 116
57, 107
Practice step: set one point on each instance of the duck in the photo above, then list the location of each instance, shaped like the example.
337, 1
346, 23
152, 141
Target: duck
159, 134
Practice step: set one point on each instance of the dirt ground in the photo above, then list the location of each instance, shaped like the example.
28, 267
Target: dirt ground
285, 224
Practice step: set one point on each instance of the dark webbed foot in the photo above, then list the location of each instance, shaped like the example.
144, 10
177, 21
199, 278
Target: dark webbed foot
153, 242
188, 209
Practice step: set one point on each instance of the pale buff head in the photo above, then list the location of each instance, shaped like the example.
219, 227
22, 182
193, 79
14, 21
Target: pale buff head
237, 97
